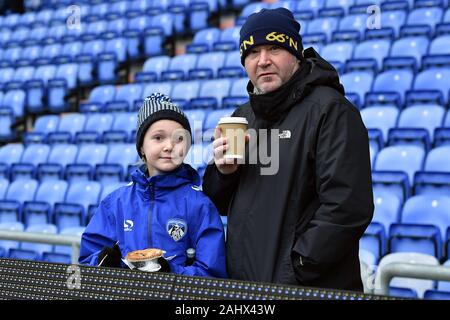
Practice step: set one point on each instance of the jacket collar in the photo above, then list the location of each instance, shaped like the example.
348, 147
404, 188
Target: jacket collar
184, 174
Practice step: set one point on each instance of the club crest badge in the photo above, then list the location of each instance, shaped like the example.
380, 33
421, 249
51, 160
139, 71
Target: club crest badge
176, 228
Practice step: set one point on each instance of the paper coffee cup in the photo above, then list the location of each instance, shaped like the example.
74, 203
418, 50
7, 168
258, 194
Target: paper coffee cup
234, 128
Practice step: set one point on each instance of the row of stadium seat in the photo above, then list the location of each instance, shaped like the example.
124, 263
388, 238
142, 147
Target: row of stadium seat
53, 201
37, 251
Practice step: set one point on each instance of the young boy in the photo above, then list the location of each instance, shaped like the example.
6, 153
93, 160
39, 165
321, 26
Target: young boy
162, 207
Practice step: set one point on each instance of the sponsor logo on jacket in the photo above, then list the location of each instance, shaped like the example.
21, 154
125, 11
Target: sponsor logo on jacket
128, 225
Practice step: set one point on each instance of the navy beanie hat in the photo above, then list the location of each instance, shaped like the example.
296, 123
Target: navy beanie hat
271, 26
156, 107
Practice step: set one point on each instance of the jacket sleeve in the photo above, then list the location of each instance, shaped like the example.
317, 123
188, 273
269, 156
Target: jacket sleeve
100, 233
219, 187
344, 188
207, 236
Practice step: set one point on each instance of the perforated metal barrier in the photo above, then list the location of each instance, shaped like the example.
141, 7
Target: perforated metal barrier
20, 279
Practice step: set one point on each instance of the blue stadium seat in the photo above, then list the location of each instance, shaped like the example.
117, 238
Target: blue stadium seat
248, 10
15, 99
211, 94
203, 40
72, 48
232, 67
405, 158
387, 208
338, 51
414, 47
359, 82
403, 292
429, 16
23, 254
119, 157
54, 257
313, 5
125, 98
125, 121
165, 22
155, 65
238, 93
39, 211
32, 156
196, 119
437, 159
116, 23
9, 154
40, 248
434, 79
98, 97
60, 156
380, 117
436, 295
372, 49
374, 240
325, 25
415, 237
57, 30
18, 192
228, 40
46, 123
10, 226
354, 22
183, 92
89, 155
6, 74
98, 122
439, 45
427, 209
435, 182
398, 81
422, 116
179, 67
72, 213
208, 65
64, 81
413, 258
23, 74
72, 123
178, 9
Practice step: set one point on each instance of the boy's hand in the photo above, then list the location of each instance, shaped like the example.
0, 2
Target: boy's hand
110, 257
220, 145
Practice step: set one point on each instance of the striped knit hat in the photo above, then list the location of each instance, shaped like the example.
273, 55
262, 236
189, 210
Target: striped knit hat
156, 107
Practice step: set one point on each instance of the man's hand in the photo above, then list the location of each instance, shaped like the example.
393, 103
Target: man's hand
220, 146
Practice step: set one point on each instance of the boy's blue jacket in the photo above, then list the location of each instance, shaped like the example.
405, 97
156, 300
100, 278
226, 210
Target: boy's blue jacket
166, 211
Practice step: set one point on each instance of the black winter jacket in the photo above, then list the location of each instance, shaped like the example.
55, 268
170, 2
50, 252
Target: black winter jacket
301, 225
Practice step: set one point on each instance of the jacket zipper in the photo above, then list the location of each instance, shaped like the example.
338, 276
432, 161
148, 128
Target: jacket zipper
150, 214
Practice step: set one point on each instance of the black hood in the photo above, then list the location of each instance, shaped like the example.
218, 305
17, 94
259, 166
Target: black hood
314, 71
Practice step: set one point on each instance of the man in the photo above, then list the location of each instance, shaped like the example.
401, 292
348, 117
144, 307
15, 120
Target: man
301, 225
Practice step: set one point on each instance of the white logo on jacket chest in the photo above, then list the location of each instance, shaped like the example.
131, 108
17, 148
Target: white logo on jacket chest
128, 225
285, 134
176, 228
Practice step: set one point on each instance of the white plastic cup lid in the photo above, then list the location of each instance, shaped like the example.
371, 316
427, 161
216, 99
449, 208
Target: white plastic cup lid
240, 120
